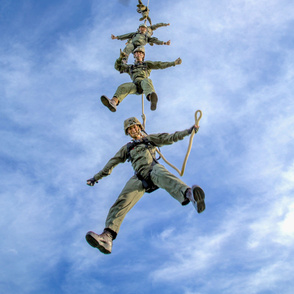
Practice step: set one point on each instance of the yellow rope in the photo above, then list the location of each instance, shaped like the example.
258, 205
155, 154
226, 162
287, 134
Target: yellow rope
181, 172
198, 115
145, 21
143, 114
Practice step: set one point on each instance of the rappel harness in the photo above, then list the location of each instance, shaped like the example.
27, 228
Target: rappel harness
142, 66
145, 35
147, 183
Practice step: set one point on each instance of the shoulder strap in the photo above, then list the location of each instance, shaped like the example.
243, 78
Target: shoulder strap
132, 144
144, 66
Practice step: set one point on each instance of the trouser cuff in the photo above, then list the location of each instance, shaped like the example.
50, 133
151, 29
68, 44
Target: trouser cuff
113, 233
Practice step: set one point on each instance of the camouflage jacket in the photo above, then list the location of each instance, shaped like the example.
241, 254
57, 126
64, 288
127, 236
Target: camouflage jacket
142, 155
140, 71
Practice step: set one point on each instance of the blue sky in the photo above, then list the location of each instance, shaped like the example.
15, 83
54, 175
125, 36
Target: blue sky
57, 60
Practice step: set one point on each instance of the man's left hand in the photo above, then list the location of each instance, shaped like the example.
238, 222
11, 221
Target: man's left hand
178, 61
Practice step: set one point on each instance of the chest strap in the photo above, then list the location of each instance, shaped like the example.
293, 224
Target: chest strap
148, 185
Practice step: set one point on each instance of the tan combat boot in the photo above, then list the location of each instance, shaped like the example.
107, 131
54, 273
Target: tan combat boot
152, 97
103, 241
109, 103
196, 195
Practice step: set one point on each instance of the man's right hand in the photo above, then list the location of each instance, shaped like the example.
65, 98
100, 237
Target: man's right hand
91, 182
113, 37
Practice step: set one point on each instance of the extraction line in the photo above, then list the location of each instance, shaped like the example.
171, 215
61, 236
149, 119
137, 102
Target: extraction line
143, 114
197, 119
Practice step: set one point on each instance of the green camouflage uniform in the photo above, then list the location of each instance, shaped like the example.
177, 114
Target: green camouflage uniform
139, 73
137, 39
142, 161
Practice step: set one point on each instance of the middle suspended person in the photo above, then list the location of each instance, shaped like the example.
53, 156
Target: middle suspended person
139, 73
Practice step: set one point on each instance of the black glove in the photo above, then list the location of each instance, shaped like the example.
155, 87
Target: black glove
92, 182
193, 128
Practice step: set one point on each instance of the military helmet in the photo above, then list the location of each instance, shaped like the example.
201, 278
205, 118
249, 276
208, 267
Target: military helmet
139, 49
130, 122
143, 25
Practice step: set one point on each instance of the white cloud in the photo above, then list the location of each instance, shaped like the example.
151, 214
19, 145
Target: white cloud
56, 133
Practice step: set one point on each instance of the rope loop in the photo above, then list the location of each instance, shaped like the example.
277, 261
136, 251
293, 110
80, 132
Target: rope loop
197, 119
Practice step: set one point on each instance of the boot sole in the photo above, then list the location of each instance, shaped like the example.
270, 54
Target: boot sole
94, 243
199, 197
153, 100
105, 101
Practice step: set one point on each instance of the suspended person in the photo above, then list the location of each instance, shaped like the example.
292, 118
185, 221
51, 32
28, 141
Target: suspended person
149, 175
144, 10
139, 73
136, 39
151, 29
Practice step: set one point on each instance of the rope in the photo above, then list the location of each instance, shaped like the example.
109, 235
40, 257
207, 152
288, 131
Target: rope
145, 21
181, 172
197, 119
143, 114
198, 116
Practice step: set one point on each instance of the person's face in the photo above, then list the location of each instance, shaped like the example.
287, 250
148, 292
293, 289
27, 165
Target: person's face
142, 30
139, 56
134, 131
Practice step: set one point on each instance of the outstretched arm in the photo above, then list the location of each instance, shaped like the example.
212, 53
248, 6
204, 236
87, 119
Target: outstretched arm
153, 40
125, 36
162, 65
119, 157
168, 139
158, 25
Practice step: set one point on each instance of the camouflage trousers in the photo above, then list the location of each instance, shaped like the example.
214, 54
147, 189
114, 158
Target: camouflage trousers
133, 191
145, 86
130, 47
